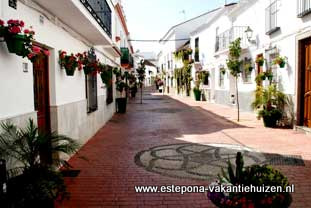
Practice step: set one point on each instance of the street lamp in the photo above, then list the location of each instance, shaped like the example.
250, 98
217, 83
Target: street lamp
249, 35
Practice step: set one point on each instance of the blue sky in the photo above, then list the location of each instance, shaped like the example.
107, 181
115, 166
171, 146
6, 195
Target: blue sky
151, 19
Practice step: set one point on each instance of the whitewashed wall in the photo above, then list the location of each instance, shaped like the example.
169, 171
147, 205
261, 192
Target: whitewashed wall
16, 86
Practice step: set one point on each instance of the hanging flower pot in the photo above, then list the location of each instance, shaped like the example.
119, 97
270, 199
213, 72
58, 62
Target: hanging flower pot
281, 61
69, 72
282, 65
15, 44
260, 60
68, 62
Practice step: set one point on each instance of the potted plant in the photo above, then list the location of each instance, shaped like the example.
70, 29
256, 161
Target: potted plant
281, 61
133, 84
260, 77
248, 67
203, 77
271, 103
197, 91
121, 87
68, 62
256, 176
33, 180
222, 70
260, 60
269, 75
17, 40
105, 74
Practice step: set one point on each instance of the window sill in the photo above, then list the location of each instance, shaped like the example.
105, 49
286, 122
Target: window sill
249, 82
304, 13
272, 30
91, 110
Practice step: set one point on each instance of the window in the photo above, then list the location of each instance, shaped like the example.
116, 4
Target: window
247, 68
303, 8
221, 79
91, 93
247, 76
271, 17
197, 51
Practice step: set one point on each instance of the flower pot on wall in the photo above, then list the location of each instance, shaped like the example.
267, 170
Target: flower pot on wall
15, 44
282, 64
70, 72
121, 105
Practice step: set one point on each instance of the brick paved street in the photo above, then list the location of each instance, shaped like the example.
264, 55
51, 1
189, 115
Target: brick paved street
108, 178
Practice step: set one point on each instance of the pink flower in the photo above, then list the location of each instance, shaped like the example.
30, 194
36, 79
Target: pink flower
46, 52
1, 22
36, 49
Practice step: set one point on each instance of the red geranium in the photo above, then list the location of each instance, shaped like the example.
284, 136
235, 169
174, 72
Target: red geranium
1, 22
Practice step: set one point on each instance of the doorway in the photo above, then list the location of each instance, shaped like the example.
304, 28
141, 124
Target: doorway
41, 92
304, 86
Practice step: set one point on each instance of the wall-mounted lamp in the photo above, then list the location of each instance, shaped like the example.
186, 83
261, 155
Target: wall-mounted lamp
249, 35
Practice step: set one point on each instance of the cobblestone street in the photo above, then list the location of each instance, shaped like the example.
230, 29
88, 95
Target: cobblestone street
147, 146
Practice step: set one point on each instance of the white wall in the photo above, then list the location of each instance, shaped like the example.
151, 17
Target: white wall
16, 86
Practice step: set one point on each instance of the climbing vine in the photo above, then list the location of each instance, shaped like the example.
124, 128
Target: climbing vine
183, 75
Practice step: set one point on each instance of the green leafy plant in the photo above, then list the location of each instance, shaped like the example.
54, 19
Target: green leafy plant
141, 71
260, 60
271, 102
248, 67
257, 176
222, 70
234, 65
203, 77
279, 60
68, 62
33, 179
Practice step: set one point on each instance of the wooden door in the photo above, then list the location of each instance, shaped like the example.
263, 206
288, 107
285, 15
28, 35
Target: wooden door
307, 86
41, 92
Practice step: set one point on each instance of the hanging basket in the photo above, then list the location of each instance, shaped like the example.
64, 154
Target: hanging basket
282, 64
70, 72
15, 44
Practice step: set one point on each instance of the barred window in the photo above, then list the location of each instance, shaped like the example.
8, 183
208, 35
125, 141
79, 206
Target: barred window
91, 93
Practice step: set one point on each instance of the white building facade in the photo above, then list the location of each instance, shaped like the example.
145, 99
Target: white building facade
77, 105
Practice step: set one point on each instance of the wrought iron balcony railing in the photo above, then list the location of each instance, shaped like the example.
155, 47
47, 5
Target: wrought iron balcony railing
272, 18
303, 8
224, 39
101, 12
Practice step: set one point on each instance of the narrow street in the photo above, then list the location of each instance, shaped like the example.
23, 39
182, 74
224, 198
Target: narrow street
169, 140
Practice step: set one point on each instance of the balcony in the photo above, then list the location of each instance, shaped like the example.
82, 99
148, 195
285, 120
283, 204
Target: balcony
127, 60
224, 39
303, 8
89, 18
272, 18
